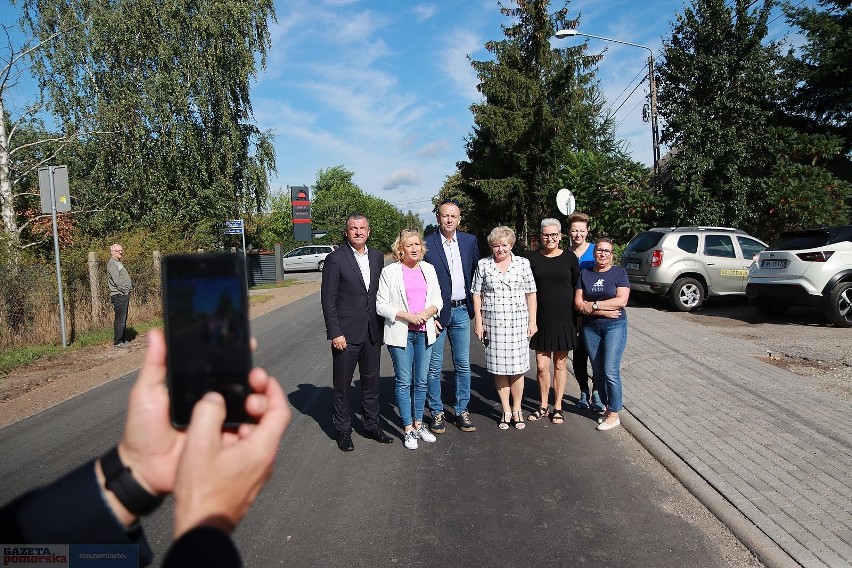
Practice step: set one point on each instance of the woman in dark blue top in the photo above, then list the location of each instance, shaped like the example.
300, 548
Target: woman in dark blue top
601, 295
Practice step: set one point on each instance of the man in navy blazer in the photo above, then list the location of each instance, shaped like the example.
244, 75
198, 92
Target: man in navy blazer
350, 280
454, 254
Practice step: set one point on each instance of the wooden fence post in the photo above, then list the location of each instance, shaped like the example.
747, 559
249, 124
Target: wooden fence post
157, 274
95, 288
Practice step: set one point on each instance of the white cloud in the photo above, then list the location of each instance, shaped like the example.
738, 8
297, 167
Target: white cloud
402, 178
433, 149
424, 11
459, 43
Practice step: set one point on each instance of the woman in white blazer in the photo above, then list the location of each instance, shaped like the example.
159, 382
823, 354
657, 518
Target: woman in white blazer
409, 298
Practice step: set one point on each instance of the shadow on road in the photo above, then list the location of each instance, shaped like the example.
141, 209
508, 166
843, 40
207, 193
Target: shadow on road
736, 308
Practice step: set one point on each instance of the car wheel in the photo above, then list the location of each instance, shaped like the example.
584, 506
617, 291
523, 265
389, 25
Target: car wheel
769, 309
320, 265
840, 305
686, 294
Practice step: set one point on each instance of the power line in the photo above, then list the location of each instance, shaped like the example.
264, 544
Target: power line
628, 96
782, 13
642, 70
628, 114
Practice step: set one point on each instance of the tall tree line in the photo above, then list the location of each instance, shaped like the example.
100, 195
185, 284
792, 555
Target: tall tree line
155, 96
539, 104
544, 124
757, 138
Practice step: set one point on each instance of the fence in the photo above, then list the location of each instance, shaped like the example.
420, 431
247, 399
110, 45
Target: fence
29, 300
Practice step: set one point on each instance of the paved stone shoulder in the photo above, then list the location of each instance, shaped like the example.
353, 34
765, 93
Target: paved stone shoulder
772, 445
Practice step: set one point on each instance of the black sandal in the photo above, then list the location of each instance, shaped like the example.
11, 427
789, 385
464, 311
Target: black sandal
538, 414
504, 424
556, 416
518, 419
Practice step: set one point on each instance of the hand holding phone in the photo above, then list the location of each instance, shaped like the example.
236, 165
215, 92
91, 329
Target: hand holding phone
205, 313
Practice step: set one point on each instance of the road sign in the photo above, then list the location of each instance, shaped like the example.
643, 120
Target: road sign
232, 227
301, 202
62, 196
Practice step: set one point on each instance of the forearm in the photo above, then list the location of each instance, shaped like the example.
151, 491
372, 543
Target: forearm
532, 307
477, 309
71, 509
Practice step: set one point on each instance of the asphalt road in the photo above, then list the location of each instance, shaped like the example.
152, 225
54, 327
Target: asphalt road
548, 495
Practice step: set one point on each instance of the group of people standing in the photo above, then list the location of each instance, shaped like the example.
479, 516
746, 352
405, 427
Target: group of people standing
552, 301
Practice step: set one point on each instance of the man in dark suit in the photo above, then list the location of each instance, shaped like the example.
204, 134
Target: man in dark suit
350, 280
454, 254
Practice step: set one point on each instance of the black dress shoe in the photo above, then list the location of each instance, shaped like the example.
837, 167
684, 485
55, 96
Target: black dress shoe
344, 441
379, 436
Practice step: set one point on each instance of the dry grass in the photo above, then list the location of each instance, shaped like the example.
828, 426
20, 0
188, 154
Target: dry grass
29, 303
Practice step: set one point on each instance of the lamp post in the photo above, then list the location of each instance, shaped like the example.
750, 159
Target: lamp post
655, 132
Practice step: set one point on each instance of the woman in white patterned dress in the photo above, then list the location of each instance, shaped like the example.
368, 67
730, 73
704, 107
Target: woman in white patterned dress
504, 311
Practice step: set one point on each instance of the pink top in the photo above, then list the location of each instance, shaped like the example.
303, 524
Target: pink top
415, 292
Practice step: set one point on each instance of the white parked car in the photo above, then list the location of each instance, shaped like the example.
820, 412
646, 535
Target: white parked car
805, 268
308, 257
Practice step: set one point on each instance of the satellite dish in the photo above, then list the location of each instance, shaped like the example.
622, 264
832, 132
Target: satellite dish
565, 201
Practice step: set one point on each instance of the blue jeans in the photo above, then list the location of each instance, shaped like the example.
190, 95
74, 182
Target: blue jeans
605, 341
458, 329
410, 365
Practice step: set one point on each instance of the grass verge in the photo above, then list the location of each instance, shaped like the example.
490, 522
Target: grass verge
19, 356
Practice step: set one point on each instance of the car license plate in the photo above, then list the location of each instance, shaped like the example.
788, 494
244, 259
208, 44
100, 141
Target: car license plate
776, 264
631, 264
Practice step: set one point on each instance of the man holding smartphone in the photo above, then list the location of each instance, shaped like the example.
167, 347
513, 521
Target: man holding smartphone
213, 474
119, 283
350, 280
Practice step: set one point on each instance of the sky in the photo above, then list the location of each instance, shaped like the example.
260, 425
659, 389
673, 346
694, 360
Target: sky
384, 87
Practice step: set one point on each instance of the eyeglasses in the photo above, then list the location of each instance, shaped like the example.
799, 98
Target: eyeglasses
453, 201
603, 251
550, 235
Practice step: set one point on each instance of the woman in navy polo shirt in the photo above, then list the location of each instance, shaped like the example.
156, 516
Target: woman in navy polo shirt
601, 295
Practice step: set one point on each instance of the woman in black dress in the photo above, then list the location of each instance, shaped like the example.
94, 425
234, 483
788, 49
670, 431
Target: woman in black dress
555, 273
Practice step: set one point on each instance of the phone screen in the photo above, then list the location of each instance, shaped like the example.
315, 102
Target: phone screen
205, 310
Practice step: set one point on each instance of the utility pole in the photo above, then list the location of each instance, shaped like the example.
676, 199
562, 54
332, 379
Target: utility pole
655, 132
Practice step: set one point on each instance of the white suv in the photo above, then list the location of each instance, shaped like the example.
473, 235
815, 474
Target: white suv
810, 268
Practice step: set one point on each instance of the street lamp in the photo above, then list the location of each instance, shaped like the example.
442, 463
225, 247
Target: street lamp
655, 132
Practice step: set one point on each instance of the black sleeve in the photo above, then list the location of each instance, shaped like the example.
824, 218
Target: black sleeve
71, 510
203, 546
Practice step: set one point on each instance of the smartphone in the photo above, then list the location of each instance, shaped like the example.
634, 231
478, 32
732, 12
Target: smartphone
205, 314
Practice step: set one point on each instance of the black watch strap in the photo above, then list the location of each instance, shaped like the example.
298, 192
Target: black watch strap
126, 489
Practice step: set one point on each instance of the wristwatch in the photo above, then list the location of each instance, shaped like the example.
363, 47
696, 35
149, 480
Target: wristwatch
594, 305
124, 486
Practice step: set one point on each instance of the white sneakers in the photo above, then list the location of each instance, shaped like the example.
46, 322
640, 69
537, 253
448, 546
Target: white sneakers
410, 441
422, 433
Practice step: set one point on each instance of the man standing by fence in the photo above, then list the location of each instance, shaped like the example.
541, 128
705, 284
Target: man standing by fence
119, 293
